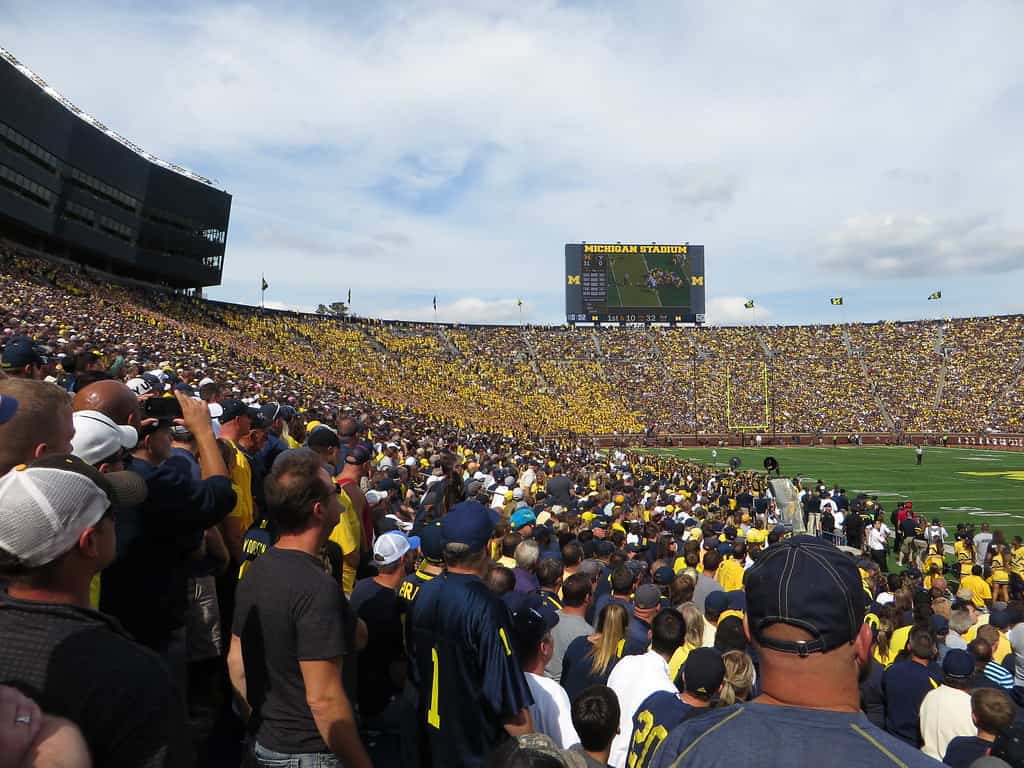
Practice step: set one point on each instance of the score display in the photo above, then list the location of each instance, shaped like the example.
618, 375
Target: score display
634, 283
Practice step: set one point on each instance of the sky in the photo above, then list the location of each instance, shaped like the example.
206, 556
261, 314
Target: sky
406, 150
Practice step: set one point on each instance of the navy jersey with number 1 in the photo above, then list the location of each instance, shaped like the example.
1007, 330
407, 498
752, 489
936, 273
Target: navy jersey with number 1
657, 715
470, 680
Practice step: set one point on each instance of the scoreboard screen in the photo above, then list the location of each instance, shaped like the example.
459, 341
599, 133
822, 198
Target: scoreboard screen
634, 283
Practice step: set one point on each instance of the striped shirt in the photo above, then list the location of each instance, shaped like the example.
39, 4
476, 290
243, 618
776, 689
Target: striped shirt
999, 675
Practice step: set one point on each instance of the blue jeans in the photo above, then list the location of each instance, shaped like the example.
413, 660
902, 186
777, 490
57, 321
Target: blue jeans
268, 758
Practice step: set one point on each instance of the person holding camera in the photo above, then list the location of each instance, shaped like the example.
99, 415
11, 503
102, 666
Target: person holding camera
145, 588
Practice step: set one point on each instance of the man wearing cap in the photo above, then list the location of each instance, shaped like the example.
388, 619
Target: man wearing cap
646, 604
805, 621
348, 534
700, 681
415, 750
636, 677
946, 711
292, 628
381, 665
22, 358
473, 693
235, 423
551, 711
56, 533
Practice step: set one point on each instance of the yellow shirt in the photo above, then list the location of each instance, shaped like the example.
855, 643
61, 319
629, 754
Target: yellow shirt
979, 588
964, 557
347, 534
1017, 561
1002, 649
1000, 573
730, 575
678, 659
241, 481
897, 643
934, 558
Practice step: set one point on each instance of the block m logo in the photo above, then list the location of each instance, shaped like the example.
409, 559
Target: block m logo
574, 280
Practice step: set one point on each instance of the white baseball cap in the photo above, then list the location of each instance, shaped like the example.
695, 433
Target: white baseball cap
46, 506
389, 548
97, 437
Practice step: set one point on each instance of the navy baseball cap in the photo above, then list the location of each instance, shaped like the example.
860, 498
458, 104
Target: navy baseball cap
359, 454
21, 351
716, 602
8, 407
531, 622
647, 596
664, 576
270, 411
232, 409
469, 523
703, 672
940, 624
323, 437
431, 542
958, 663
805, 583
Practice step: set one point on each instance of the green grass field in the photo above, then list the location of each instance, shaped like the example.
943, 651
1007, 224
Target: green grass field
954, 484
636, 266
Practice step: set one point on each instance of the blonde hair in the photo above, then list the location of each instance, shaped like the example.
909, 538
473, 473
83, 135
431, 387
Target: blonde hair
611, 633
694, 624
739, 678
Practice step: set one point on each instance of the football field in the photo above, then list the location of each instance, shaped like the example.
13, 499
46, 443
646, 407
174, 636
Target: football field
954, 484
627, 293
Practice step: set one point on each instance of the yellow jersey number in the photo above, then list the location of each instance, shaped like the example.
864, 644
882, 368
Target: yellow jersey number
646, 740
434, 713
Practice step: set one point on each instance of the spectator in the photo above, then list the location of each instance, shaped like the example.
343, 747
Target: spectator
637, 677
22, 359
40, 425
549, 577
905, 684
707, 581
738, 683
145, 588
988, 671
32, 739
811, 641
571, 621
56, 533
381, 665
992, 712
703, 675
287, 643
595, 716
462, 646
527, 555
590, 660
946, 711
551, 712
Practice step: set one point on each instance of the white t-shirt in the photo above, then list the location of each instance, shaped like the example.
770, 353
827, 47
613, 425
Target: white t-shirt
551, 711
877, 537
633, 680
828, 504
498, 500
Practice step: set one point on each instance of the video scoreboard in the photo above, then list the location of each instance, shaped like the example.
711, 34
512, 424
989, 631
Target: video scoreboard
634, 283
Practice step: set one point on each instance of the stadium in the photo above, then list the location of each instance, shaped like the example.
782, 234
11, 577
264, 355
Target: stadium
677, 439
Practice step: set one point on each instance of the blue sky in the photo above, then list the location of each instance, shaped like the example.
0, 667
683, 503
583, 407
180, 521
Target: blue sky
406, 150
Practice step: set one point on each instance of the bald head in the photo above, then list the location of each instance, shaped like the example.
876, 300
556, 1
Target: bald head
111, 398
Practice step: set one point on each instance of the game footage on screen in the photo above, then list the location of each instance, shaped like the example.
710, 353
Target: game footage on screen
648, 280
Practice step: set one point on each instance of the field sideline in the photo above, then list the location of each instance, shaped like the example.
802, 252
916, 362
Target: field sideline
954, 484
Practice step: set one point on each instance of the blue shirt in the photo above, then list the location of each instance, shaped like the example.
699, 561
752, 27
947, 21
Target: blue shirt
470, 679
904, 686
964, 750
655, 717
765, 736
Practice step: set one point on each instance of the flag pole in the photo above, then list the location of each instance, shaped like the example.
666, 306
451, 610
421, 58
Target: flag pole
263, 282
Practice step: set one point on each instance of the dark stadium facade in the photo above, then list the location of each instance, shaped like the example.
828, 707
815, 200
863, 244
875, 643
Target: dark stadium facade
74, 188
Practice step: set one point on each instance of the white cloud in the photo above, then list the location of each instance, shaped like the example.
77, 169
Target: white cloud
465, 310
284, 305
406, 149
729, 310
914, 246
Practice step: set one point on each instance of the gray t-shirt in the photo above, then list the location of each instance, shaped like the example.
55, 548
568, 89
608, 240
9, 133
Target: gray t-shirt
568, 628
705, 586
981, 542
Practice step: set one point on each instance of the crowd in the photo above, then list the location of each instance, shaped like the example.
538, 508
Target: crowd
228, 536
961, 375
